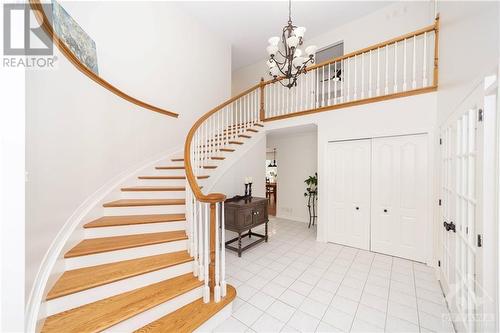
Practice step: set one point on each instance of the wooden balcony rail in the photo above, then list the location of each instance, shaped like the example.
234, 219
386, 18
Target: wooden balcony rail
66, 51
403, 66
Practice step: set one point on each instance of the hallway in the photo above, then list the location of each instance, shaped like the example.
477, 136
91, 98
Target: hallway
295, 284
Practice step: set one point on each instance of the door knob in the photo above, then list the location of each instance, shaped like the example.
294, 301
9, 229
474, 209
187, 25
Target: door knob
357, 208
385, 210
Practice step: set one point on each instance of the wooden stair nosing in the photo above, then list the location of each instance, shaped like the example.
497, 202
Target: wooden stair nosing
153, 189
218, 158
143, 202
189, 317
244, 136
210, 167
113, 221
228, 150
177, 159
81, 279
253, 130
107, 244
171, 177
100, 315
181, 167
235, 142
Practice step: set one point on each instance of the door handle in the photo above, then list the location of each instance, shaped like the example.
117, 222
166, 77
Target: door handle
385, 210
357, 208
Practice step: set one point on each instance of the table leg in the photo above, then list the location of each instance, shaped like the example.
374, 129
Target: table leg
249, 233
265, 231
239, 245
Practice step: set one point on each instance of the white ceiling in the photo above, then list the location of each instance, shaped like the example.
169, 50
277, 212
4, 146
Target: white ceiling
247, 25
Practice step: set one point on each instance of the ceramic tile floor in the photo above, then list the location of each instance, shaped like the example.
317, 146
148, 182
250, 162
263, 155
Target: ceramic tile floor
295, 284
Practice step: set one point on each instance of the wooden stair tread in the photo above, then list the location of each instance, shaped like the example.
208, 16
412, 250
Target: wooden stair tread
111, 221
177, 159
218, 158
144, 202
77, 280
105, 244
100, 315
180, 167
229, 150
210, 167
253, 130
257, 124
244, 136
170, 177
189, 317
153, 188
235, 142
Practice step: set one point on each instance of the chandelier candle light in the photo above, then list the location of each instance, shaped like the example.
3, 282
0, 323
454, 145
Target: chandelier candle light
291, 63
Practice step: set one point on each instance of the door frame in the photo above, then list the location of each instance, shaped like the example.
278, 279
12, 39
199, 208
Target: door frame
430, 244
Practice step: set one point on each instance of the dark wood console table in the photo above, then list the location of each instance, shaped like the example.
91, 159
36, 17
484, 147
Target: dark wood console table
242, 215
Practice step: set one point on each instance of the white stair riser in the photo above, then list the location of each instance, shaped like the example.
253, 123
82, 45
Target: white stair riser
168, 172
157, 312
140, 210
161, 182
124, 254
123, 230
111, 289
152, 194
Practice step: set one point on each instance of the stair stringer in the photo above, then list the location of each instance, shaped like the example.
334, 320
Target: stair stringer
72, 232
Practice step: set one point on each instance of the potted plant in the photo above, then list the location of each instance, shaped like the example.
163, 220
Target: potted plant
312, 184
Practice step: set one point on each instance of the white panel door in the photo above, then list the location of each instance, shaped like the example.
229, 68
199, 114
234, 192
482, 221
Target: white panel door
399, 191
348, 197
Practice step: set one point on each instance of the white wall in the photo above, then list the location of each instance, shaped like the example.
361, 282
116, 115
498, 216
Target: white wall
250, 164
79, 135
388, 22
297, 159
468, 50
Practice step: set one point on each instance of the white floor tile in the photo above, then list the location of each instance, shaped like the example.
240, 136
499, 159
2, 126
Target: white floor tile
371, 316
327, 328
303, 322
284, 280
247, 314
231, 325
261, 301
344, 304
373, 301
313, 308
301, 287
292, 298
257, 282
245, 292
360, 326
321, 295
434, 323
404, 312
338, 319
267, 323
289, 329
281, 311
396, 325
402, 298
349, 292
273, 289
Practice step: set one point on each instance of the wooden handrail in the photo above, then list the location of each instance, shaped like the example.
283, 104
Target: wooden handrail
61, 45
432, 27
213, 197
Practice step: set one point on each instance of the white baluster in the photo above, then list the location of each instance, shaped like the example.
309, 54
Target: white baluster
316, 92
362, 75
206, 288
196, 232
355, 88
329, 85
386, 90
201, 241
377, 91
396, 67
302, 84
425, 83
223, 283
404, 65
217, 291
370, 76
414, 62
323, 86
334, 83
347, 82
342, 82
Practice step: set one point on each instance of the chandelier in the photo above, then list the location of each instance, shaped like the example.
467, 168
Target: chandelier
287, 61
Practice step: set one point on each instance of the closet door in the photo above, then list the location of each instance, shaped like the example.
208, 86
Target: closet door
399, 189
348, 196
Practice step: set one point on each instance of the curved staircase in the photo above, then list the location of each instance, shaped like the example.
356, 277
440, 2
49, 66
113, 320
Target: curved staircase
134, 270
